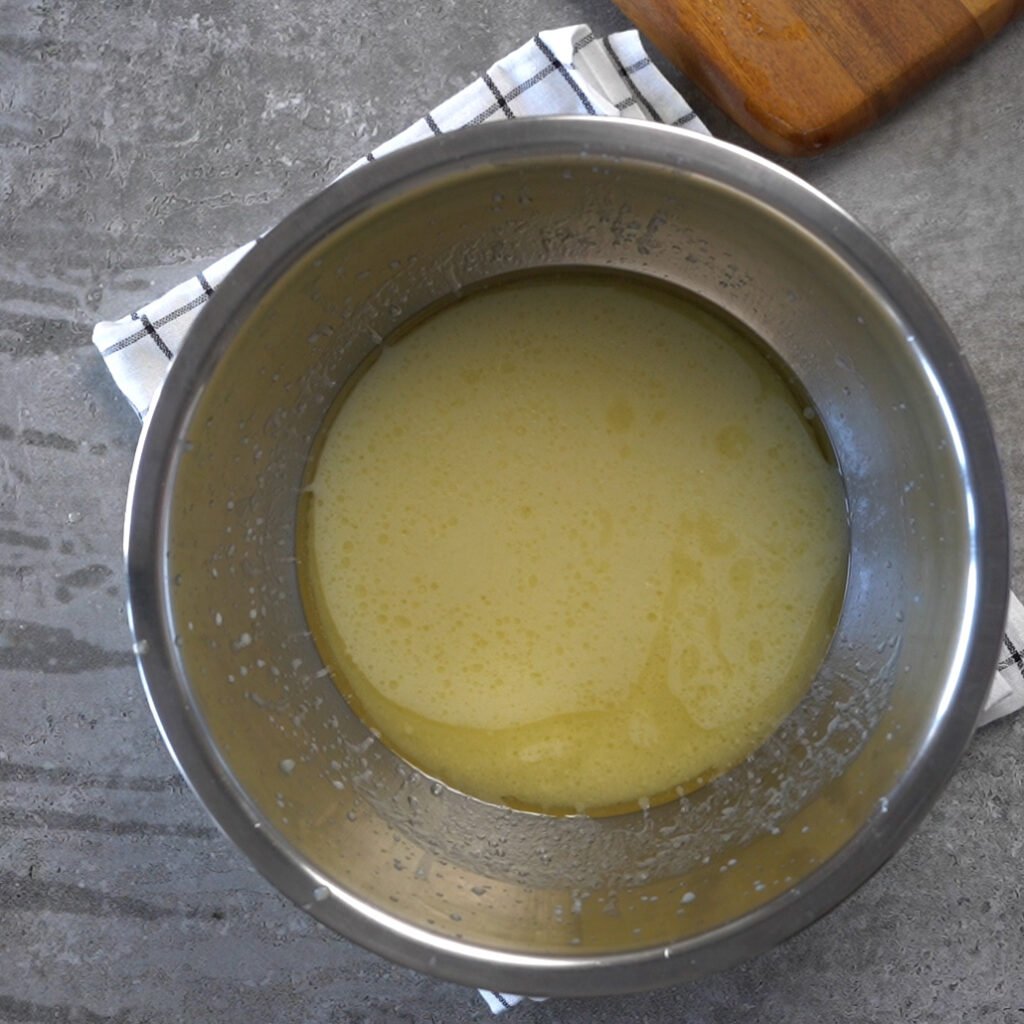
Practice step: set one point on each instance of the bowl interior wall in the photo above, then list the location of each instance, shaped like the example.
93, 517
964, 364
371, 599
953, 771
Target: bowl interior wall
373, 828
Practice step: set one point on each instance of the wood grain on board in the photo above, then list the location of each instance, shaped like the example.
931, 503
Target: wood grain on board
802, 75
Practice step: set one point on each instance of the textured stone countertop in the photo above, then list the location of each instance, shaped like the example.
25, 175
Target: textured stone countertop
141, 140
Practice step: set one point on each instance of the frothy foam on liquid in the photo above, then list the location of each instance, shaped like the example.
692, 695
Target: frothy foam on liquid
572, 544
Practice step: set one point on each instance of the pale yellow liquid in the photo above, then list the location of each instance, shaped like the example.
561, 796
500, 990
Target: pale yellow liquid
572, 544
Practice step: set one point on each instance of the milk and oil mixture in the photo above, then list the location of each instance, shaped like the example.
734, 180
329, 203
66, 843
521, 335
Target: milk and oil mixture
572, 544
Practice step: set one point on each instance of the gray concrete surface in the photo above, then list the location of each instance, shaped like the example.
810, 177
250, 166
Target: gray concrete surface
140, 139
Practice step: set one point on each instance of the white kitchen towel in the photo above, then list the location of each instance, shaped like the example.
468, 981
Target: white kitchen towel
561, 71
1007, 692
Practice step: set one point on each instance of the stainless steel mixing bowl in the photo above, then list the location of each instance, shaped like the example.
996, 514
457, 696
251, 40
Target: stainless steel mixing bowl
491, 896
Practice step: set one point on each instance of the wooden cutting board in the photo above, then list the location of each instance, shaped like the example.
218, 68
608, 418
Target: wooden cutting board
801, 75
